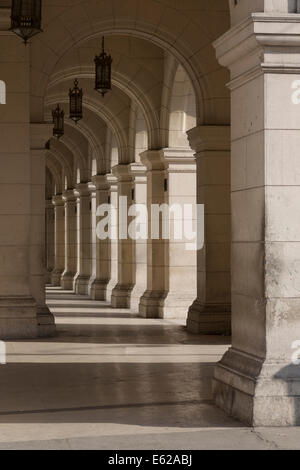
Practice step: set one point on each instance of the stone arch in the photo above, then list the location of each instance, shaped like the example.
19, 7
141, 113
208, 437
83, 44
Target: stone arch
105, 114
184, 33
182, 111
65, 157
135, 93
55, 168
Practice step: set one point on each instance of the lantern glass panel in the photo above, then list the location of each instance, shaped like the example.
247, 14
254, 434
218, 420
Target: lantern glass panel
103, 64
58, 121
76, 95
26, 18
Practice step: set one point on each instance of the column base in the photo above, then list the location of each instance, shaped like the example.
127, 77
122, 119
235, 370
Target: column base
110, 288
175, 306
120, 297
46, 322
151, 304
82, 285
67, 281
18, 318
209, 319
135, 298
56, 277
99, 290
256, 391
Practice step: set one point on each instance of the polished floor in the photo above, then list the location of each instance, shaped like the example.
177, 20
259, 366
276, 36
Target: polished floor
111, 380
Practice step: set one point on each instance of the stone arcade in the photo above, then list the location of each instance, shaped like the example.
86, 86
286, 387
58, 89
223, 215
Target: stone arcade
202, 108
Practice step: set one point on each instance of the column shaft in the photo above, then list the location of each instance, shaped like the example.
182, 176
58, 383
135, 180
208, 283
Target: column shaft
111, 254
152, 301
258, 379
84, 224
211, 311
59, 239
50, 250
68, 276
103, 247
122, 292
139, 268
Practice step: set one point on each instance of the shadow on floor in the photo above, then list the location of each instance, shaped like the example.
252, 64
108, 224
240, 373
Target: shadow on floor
143, 394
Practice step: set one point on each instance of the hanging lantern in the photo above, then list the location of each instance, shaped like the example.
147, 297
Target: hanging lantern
26, 18
76, 102
103, 71
58, 115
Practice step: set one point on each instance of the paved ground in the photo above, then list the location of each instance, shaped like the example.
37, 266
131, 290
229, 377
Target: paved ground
111, 380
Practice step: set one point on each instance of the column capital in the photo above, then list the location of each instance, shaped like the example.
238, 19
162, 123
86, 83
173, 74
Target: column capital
57, 200
100, 182
154, 159
39, 134
112, 180
211, 138
137, 169
180, 159
69, 196
83, 189
122, 172
251, 47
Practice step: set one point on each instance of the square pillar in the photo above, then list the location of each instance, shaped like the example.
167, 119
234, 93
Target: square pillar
180, 262
93, 238
69, 274
152, 301
39, 134
122, 292
139, 267
84, 234
258, 379
210, 313
171, 270
103, 247
18, 309
50, 262
110, 254
59, 239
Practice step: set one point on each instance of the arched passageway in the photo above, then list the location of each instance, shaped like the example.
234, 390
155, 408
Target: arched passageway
104, 205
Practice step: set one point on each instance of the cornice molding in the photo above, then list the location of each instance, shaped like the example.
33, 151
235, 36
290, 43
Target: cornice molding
246, 48
210, 138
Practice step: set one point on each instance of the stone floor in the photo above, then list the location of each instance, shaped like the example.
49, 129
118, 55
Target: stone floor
111, 380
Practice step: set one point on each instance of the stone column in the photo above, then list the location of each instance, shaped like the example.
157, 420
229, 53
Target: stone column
139, 267
180, 257
103, 247
111, 255
68, 276
18, 312
122, 292
171, 278
39, 133
258, 380
211, 311
93, 238
50, 260
84, 224
59, 239
152, 301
